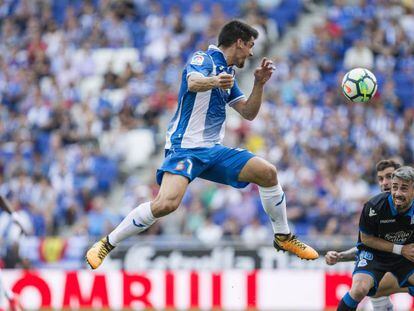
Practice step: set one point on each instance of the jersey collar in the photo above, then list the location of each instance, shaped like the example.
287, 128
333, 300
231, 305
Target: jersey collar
217, 49
394, 212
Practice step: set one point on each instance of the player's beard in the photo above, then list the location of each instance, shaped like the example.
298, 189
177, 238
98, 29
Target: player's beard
402, 205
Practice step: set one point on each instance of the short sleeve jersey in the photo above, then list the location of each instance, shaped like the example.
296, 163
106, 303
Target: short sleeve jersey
380, 218
200, 116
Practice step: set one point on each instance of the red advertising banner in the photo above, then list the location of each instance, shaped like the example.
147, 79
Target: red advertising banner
336, 286
284, 289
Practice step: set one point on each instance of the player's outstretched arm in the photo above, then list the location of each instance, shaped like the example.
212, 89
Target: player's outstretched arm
200, 83
333, 257
388, 286
349, 255
249, 108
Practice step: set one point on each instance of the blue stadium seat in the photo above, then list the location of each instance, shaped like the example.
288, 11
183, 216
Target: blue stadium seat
282, 19
301, 229
106, 171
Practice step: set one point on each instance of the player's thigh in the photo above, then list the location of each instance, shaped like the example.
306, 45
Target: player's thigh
389, 285
260, 172
226, 164
368, 267
188, 163
171, 193
411, 279
403, 269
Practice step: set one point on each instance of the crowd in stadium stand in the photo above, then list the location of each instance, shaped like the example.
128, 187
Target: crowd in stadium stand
53, 166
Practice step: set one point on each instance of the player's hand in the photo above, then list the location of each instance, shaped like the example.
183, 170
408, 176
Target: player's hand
263, 73
408, 251
225, 81
332, 258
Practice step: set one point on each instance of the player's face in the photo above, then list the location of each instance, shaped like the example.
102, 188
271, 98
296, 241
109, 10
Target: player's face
384, 179
402, 194
244, 51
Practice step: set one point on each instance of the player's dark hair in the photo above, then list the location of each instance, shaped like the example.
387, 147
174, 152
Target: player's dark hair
235, 30
383, 164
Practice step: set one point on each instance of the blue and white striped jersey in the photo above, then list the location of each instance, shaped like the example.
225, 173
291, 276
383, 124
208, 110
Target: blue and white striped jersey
200, 117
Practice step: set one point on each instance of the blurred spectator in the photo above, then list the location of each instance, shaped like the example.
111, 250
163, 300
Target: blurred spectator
359, 55
209, 233
407, 22
100, 220
76, 78
197, 20
255, 233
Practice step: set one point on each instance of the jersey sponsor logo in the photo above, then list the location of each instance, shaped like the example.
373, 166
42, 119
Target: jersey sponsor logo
399, 237
372, 213
197, 60
387, 221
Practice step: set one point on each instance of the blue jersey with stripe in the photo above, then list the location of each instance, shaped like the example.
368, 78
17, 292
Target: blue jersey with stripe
199, 120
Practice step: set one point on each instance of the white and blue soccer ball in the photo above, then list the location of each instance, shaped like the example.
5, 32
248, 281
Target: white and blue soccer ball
359, 85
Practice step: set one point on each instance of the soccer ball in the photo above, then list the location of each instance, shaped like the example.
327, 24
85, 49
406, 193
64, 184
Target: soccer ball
359, 85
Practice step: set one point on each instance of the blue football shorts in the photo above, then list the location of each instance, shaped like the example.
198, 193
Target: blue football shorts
376, 266
219, 164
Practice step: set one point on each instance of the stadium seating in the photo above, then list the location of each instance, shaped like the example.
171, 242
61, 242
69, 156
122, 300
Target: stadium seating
94, 119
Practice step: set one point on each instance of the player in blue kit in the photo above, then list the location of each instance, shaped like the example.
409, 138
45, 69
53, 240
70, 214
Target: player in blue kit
193, 143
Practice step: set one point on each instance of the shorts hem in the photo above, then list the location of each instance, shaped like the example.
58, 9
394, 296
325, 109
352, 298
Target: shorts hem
405, 281
242, 184
160, 175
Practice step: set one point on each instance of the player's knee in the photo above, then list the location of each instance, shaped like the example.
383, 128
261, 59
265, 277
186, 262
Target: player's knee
269, 177
360, 289
162, 207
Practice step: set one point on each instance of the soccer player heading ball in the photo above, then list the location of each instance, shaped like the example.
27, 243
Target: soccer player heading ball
193, 143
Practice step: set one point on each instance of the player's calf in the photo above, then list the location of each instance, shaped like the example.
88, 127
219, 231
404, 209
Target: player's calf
347, 303
137, 221
361, 285
164, 206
